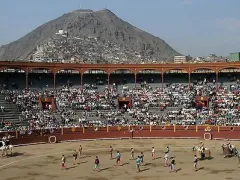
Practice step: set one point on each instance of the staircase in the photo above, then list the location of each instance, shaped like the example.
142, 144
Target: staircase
11, 112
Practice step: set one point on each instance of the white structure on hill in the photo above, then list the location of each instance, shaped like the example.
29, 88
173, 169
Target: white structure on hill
180, 59
62, 33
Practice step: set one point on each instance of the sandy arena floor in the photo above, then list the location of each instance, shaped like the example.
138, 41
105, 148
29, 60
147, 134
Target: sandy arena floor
42, 162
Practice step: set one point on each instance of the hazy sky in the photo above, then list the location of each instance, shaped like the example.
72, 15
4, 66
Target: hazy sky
195, 27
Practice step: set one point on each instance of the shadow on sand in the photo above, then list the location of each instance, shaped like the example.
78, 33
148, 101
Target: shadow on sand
15, 154
107, 168
82, 162
72, 167
121, 165
132, 159
142, 170
147, 164
201, 168
206, 158
229, 156
210, 158
179, 169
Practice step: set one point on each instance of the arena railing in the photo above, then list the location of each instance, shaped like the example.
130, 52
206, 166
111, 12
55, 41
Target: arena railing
124, 132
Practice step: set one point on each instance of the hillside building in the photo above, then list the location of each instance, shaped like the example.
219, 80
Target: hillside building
40, 55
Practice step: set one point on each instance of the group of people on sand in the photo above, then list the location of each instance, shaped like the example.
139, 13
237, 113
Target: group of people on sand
228, 144
76, 154
168, 161
139, 159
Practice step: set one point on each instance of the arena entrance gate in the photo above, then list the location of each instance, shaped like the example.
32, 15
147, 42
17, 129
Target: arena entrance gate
201, 101
124, 101
46, 102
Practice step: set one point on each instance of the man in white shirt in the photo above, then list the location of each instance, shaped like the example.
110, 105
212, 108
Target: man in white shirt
166, 158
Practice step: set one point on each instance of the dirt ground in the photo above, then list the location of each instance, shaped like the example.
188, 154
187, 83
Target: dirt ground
42, 162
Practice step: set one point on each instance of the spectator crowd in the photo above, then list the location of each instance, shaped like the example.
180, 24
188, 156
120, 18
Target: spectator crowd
173, 104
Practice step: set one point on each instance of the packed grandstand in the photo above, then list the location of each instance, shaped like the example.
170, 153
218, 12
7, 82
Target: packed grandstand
120, 103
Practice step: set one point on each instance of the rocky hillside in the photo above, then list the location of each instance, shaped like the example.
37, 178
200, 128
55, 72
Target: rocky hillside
89, 37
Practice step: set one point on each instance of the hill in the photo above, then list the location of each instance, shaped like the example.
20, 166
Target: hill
86, 36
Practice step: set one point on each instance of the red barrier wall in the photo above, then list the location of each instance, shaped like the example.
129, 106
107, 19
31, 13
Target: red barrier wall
38, 136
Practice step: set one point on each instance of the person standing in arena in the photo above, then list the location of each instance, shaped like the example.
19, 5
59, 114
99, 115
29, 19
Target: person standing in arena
166, 158
80, 151
118, 157
142, 156
153, 153
195, 160
75, 156
63, 160
111, 152
97, 163
167, 150
138, 162
172, 164
132, 153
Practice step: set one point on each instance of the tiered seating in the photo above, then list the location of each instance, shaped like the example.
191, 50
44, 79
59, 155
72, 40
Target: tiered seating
151, 104
10, 113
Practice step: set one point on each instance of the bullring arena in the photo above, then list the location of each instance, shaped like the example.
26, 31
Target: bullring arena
41, 135
42, 160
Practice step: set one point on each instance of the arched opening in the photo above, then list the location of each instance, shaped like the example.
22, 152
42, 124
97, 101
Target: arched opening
202, 76
149, 77
95, 78
68, 77
40, 78
175, 76
122, 78
12, 78
229, 76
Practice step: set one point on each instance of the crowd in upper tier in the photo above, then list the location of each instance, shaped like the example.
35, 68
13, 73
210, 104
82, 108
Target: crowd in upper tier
90, 106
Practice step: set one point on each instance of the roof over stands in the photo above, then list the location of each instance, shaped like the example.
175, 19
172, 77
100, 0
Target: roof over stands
109, 68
